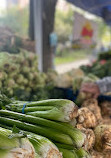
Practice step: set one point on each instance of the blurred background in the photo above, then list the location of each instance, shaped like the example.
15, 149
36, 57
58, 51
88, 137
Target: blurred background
17, 22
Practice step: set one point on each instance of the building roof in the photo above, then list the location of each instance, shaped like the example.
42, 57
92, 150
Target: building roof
100, 8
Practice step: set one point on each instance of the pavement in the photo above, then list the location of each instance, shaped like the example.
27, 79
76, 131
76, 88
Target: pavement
62, 68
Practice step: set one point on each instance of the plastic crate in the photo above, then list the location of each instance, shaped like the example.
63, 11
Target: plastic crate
102, 98
68, 93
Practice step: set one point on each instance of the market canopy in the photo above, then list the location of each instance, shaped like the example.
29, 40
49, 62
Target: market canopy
100, 8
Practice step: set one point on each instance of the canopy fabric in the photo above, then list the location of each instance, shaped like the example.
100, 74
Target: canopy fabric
100, 8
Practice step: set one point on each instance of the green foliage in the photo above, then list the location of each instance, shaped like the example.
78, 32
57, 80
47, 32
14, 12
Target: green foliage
71, 56
102, 28
104, 32
64, 23
17, 20
13, 49
20, 77
98, 69
105, 55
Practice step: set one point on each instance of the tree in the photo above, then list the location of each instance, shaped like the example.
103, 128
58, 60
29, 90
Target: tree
64, 23
17, 20
103, 28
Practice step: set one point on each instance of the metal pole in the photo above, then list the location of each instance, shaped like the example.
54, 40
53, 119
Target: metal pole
110, 37
38, 32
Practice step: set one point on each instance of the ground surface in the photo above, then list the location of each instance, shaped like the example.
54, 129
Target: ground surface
70, 56
68, 66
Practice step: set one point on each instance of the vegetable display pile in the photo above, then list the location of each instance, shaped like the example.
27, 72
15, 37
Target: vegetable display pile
8, 40
20, 77
106, 108
78, 81
97, 126
26, 145
65, 80
72, 132
99, 68
54, 119
72, 79
12, 43
105, 55
58, 127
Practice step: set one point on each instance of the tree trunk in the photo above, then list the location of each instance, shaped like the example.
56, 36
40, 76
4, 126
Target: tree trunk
31, 20
48, 26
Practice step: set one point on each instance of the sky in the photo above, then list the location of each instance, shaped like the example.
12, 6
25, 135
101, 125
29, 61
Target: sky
2, 4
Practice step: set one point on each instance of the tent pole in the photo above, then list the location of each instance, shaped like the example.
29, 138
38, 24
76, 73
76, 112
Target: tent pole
110, 37
38, 32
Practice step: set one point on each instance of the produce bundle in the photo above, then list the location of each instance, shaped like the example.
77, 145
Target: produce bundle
82, 96
43, 147
51, 76
92, 105
26, 145
106, 120
74, 153
64, 80
90, 137
76, 73
89, 114
15, 145
103, 138
96, 154
75, 132
53, 109
20, 77
72, 79
78, 81
49, 118
86, 118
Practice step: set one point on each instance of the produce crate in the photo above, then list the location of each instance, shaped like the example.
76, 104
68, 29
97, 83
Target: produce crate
102, 98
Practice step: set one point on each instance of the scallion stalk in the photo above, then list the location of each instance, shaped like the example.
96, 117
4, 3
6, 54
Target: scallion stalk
77, 136
44, 131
